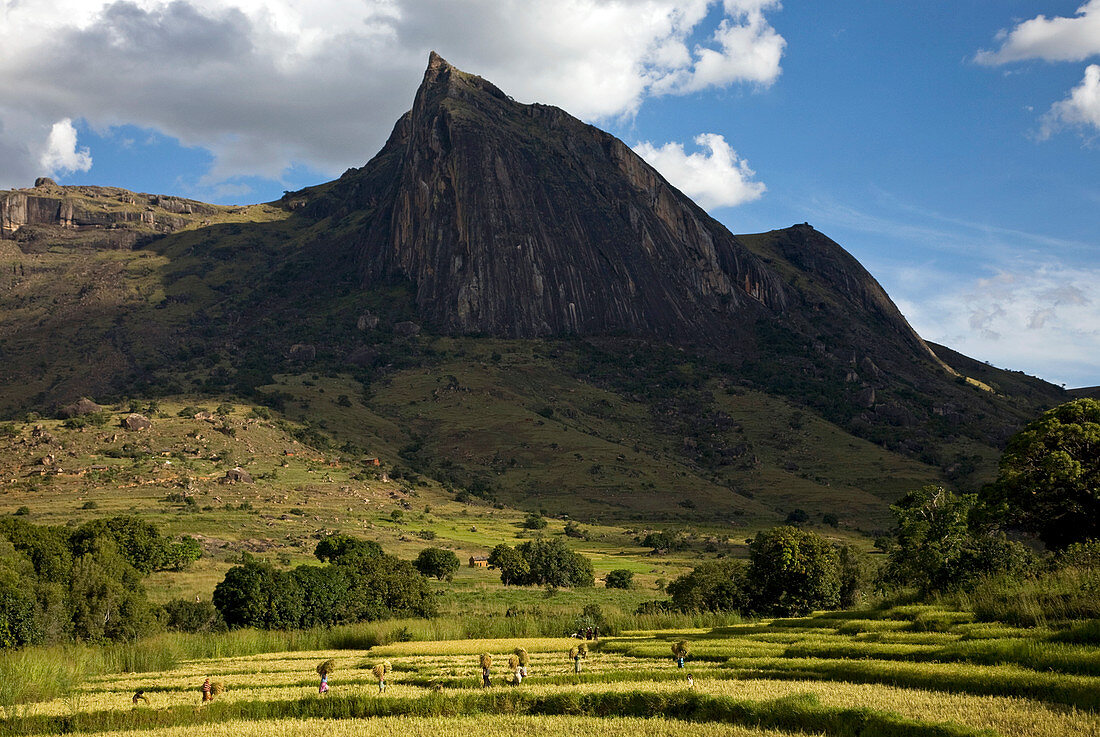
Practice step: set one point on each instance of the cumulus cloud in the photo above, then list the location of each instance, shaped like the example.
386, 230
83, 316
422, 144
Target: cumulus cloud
1080, 109
61, 155
1050, 39
716, 177
267, 84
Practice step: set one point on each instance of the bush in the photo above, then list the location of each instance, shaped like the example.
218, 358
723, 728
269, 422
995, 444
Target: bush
534, 521
181, 615
712, 586
620, 578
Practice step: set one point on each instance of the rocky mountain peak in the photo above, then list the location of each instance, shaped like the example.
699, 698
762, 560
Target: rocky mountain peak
522, 221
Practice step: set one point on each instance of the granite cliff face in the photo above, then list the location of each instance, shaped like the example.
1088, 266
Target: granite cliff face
522, 221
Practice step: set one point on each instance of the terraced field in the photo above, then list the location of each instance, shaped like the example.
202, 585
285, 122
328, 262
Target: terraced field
901, 671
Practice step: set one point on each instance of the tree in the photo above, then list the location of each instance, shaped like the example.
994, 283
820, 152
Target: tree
183, 615
183, 553
792, 572
513, 567
1049, 479
935, 547
534, 521
137, 540
18, 606
337, 548
620, 578
241, 596
712, 586
437, 562
552, 563
661, 542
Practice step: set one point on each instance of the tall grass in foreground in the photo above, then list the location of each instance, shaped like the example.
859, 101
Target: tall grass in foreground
1050, 598
42, 674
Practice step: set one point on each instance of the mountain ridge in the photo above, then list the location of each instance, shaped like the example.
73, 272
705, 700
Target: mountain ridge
405, 276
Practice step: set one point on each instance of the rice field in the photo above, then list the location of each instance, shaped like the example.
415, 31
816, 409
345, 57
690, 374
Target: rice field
877, 673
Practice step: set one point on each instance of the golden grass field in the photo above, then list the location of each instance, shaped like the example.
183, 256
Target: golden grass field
434, 685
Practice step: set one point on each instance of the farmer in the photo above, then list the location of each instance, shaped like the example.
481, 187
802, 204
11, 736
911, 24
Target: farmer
577, 662
485, 676
207, 691
139, 696
691, 681
323, 688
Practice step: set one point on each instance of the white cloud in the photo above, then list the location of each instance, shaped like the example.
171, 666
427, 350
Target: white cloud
61, 155
266, 84
1050, 39
1017, 299
1038, 315
714, 178
1080, 109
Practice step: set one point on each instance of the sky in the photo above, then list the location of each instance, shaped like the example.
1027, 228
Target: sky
953, 147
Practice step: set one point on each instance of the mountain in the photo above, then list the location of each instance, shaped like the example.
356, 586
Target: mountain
521, 308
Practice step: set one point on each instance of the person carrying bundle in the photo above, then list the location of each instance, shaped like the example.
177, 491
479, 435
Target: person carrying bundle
210, 690
680, 652
524, 659
323, 670
380, 671
486, 664
576, 653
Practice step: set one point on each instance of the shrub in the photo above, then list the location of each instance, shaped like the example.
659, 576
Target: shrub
181, 615
534, 521
620, 578
712, 586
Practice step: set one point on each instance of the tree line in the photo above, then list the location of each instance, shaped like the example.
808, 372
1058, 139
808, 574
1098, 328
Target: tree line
60, 583
1047, 490
359, 582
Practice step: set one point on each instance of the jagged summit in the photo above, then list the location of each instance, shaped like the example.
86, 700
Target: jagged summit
522, 221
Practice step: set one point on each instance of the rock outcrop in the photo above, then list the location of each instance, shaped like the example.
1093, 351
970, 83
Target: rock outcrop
521, 221
84, 208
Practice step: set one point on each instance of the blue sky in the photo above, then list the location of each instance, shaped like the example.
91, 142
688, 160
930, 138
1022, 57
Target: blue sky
952, 147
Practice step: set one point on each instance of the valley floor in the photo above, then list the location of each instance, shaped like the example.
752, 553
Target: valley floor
905, 670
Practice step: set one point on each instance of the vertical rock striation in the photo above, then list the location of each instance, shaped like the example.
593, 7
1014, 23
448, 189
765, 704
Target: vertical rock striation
521, 221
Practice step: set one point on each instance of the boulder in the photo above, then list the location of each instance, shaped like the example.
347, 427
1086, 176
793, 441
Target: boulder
365, 356
136, 422
234, 475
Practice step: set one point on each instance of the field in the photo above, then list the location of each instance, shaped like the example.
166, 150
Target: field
903, 670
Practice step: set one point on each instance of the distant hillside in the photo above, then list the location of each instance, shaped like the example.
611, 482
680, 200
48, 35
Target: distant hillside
510, 303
